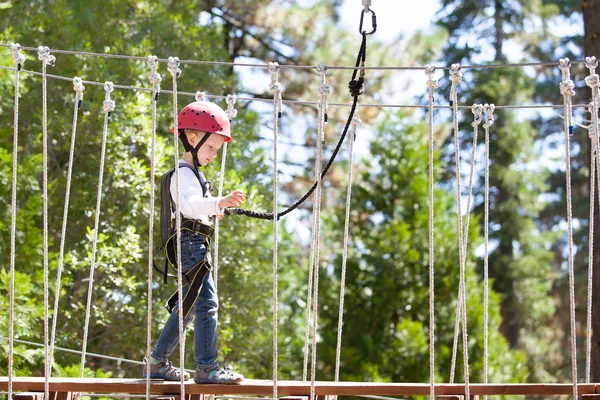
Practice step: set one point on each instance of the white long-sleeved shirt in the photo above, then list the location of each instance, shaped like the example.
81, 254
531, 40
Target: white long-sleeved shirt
193, 204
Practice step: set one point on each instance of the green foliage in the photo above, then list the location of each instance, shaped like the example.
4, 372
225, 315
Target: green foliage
386, 328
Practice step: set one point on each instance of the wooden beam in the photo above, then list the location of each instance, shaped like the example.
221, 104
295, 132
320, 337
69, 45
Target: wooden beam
289, 388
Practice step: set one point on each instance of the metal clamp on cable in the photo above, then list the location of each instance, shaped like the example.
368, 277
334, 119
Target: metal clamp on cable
367, 9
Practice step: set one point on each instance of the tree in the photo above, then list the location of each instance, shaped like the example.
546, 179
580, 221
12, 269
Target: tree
385, 335
118, 320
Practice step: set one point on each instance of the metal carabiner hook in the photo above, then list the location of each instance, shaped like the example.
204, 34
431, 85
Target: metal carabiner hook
373, 22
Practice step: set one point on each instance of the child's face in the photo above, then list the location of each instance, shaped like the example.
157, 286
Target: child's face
209, 149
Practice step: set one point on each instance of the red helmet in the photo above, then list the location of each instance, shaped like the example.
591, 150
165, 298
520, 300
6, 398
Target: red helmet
206, 117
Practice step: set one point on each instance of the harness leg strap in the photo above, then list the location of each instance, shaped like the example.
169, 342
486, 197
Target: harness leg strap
195, 278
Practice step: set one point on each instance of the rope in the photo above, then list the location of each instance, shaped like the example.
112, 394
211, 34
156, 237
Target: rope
155, 79
231, 114
594, 132
18, 60
294, 66
276, 87
79, 88
173, 67
432, 84
453, 104
355, 122
322, 119
461, 309
566, 89
109, 106
310, 279
356, 86
488, 109
47, 59
302, 102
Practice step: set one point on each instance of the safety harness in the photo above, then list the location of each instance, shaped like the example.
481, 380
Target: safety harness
195, 276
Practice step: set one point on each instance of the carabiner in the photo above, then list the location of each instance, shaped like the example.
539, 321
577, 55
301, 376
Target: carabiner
373, 22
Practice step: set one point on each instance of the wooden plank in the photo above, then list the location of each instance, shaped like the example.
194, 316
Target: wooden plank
288, 388
64, 396
28, 396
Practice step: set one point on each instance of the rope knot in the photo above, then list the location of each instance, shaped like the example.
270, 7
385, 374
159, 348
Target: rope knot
173, 66
591, 62
152, 61
432, 83
593, 81
564, 64
273, 67
274, 85
356, 121
200, 96
357, 86
109, 105
155, 79
231, 112
477, 110
78, 84
322, 69
488, 110
567, 88
17, 57
456, 75
45, 56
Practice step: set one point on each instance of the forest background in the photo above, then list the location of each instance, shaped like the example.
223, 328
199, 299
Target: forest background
386, 318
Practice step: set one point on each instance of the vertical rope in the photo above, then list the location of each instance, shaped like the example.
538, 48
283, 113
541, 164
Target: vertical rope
351, 138
276, 87
18, 60
79, 88
109, 106
456, 77
321, 121
155, 79
488, 109
231, 114
594, 132
47, 59
310, 289
432, 84
173, 67
566, 89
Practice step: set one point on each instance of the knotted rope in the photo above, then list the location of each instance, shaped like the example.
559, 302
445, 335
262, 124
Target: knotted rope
461, 312
18, 60
566, 89
488, 109
173, 68
594, 132
231, 113
108, 106
79, 88
47, 59
432, 84
155, 79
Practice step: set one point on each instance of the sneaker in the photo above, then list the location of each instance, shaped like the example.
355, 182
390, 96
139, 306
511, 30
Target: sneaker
165, 370
216, 374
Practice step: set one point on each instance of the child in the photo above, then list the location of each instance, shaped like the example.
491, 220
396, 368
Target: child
203, 128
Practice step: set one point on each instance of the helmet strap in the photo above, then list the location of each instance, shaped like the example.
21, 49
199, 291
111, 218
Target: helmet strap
194, 150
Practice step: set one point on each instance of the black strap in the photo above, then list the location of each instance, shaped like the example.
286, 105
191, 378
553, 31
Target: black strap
195, 279
166, 210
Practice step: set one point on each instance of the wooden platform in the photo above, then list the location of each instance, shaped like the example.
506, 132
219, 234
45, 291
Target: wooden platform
288, 388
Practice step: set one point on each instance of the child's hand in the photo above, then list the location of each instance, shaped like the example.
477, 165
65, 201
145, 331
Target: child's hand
233, 199
220, 216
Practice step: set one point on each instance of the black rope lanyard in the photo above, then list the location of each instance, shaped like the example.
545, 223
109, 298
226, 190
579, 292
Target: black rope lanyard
356, 86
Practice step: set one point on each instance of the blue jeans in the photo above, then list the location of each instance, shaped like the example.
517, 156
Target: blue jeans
203, 312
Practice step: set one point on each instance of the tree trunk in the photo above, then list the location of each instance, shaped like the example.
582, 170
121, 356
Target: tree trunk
591, 47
